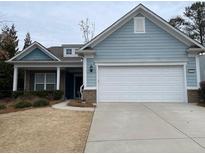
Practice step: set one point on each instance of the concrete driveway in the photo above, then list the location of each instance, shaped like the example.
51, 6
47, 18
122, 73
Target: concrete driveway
147, 127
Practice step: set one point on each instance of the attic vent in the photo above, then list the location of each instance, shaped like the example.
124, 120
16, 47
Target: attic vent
139, 25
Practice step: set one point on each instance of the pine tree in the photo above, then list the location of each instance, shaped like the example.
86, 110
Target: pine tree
193, 21
196, 16
27, 41
8, 48
9, 42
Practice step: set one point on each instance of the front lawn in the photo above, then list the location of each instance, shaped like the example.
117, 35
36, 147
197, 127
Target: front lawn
44, 130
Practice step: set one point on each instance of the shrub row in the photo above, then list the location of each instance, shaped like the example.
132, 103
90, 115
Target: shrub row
23, 104
56, 95
37, 103
2, 106
5, 93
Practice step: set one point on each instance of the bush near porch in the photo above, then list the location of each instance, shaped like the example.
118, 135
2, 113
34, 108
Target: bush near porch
53, 95
27, 100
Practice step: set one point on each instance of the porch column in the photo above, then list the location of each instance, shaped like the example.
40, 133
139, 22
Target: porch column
58, 79
15, 78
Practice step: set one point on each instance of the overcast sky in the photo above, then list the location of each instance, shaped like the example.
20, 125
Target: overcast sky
56, 23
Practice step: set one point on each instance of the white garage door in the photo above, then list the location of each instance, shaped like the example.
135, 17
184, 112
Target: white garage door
141, 84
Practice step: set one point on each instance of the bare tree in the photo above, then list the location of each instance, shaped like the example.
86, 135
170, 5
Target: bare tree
88, 29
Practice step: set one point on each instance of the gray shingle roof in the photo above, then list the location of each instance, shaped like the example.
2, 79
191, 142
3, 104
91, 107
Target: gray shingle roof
58, 51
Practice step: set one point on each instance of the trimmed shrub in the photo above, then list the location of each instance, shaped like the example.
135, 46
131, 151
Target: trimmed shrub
40, 102
58, 94
44, 93
2, 106
23, 104
5, 93
16, 94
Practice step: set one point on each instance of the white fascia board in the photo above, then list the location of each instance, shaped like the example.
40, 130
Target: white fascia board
47, 65
38, 45
47, 52
170, 29
20, 53
37, 62
110, 27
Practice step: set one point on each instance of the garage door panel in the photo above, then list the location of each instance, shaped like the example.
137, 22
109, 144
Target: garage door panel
141, 84
152, 97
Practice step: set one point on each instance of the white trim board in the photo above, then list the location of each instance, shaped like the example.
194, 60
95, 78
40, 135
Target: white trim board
47, 65
85, 72
38, 45
198, 71
148, 13
138, 64
145, 64
90, 88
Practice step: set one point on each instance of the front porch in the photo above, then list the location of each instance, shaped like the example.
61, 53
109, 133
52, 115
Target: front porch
66, 79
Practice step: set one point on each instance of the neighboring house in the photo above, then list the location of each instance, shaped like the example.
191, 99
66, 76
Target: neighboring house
139, 58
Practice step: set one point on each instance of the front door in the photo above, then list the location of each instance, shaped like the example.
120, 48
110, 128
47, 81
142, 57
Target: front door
78, 81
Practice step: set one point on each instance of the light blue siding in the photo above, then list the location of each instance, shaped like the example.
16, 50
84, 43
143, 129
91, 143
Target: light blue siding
91, 76
36, 55
191, 77
155, 44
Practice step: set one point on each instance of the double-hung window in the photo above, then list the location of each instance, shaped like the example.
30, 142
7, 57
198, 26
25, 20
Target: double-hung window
45, 81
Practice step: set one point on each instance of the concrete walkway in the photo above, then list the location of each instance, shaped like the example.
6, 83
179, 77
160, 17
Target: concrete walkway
147, 127
64, 106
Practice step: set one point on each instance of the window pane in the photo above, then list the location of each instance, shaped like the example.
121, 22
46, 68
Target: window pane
50, 78
39, 78
68, 51
39, 87
50, 87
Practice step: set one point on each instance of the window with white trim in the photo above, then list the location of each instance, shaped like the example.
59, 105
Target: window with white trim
45, 81
69, 52
139, 25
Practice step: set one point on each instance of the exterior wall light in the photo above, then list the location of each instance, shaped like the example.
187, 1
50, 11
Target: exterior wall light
91, 68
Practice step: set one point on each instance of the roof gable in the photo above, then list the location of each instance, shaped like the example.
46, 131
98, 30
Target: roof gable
141, 9
155, 43
35, 55
35, 52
